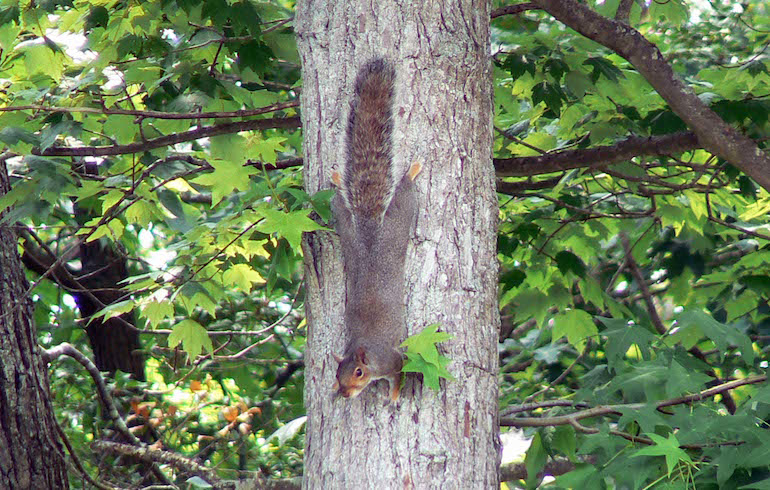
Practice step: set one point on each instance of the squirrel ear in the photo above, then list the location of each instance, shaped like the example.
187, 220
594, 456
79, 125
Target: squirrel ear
361, 355
337, 358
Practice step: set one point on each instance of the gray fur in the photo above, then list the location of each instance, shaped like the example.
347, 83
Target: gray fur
373, 219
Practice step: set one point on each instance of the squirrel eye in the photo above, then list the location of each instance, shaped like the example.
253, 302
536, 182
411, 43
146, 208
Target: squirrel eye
359, 372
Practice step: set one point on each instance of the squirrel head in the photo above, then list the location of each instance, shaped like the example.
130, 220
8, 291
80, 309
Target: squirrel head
353, 373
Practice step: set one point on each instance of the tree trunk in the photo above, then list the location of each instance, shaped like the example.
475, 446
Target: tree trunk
30, 454
442, 118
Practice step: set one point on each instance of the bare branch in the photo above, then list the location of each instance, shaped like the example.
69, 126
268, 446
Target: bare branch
172, 139
513, 9
573, 418
155, 114
66, 349
555, 467
600, 156
624, 10
152, 455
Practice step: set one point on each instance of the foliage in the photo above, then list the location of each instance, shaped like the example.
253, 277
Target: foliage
626, 289
628, 285
212, 245
423, 357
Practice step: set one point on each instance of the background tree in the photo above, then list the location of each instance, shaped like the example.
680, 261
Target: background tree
632, 174
428, 440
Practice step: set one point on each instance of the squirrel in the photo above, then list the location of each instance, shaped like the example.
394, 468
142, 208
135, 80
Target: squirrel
374, 213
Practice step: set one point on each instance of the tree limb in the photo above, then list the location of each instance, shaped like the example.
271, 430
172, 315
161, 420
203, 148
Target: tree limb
152, 455
616, 409
66, 349
513, 9
600, 156
624, 10
554, 467
155, 114
172, 139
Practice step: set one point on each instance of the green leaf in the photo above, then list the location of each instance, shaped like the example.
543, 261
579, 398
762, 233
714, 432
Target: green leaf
198, 482
564, 440
41, 59
517, 65
550, 94
577, 325
115, 309
255, 55
227, 177
8, 33
583, 476
578, 83
193, 337
667, 447
759, 485
424, 342
113, 230
268, 149
722, 335
647, 417
621, 335
321, 203
684, 381
569, 262
233, 149
603, 67
141, 212
423, 357
430, 371
287, 431
673, 12
194, 296
157, 311
672, 216
289, 225
14, 135
111, 199
241, 276
535, 460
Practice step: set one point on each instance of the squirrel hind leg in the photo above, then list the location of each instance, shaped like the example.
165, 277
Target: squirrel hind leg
337, 179
414, 170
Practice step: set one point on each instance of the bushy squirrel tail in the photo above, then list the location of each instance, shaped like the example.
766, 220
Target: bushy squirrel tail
367, 179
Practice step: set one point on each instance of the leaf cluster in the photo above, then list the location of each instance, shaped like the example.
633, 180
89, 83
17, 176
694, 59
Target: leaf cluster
423, 356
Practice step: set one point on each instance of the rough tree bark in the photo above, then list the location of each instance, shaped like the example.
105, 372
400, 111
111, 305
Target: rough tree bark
30, 454
442, 118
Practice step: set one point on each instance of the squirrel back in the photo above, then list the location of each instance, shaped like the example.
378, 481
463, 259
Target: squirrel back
374, 213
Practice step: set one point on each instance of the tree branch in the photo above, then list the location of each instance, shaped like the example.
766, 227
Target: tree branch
172, 139
624, 10
513, 9
66, 349
712, 131
555, 467
600, 156
156, 114
616, 409
152, 455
